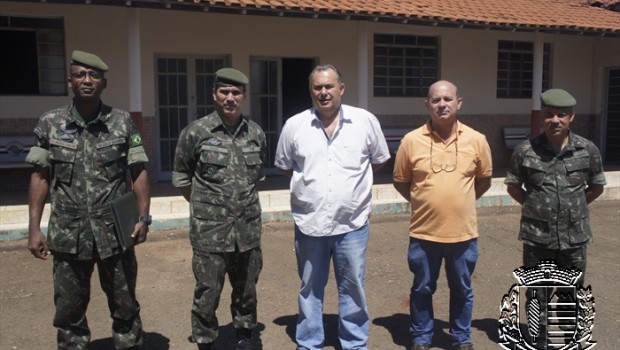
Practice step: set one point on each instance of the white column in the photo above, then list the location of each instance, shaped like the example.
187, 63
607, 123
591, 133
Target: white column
537, 78
362, 59
538, 71
134, 61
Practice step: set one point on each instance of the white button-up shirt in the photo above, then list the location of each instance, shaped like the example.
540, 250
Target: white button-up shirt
331, 184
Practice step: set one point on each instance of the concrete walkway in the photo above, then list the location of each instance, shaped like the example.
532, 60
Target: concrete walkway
172, 211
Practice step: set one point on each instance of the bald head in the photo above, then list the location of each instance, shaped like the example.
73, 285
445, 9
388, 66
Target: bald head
442, 83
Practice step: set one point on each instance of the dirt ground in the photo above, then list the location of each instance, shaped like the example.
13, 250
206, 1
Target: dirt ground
165, 287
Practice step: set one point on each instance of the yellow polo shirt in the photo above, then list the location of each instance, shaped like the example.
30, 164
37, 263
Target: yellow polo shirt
443, 201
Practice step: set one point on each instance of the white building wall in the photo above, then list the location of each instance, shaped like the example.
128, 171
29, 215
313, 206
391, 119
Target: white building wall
468, 57
241, 37
97, 29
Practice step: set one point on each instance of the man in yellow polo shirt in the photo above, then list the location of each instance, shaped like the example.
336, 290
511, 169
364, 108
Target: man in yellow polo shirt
441, 168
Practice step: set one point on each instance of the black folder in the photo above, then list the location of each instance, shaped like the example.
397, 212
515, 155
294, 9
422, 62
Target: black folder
125, 212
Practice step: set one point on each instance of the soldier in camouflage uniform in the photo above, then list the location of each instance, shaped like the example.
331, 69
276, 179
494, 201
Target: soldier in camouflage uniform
81, 156
562, 173
218, 161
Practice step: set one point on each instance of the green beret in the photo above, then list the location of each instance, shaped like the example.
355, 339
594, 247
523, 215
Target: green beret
88, 59
231, 76
557, 98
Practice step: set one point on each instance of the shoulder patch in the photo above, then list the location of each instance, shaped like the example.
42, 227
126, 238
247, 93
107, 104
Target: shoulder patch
39, 133
136, 140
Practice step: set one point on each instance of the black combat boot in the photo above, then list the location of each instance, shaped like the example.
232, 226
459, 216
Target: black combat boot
244, 339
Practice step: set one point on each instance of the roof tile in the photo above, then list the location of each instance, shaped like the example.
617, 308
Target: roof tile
560, 14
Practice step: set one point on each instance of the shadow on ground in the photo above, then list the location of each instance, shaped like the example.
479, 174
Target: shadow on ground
330, 325
398, 327
156, 341
152, 341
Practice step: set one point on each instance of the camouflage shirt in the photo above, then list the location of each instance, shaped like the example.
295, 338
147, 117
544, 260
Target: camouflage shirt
555, 213
222, 168
88, 164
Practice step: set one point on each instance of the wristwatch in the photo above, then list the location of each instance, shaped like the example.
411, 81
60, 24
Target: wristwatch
145, 219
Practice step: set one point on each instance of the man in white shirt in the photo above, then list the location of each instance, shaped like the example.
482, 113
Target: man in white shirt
330, 152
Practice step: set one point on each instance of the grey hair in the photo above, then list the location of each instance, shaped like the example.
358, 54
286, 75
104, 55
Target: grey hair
324, 67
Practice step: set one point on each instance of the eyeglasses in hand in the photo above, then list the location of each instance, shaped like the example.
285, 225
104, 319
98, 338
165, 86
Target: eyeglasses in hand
447, 167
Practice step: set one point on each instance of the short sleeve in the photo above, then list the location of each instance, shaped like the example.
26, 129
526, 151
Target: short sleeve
597, 174
513, 173
485, 161
402, 172
39, 152
284, 151
184, 160
38, 156
137, 155
379, 151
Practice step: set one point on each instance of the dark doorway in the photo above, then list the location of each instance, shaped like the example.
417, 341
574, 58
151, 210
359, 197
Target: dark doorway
612, 107
295, 93
19, 67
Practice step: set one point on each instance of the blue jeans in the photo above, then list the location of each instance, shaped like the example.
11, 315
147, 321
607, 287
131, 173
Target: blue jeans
425, 259
348, 252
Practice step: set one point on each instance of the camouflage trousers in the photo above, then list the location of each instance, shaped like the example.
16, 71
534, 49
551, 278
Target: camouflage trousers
565, 258
210, 269
117, 276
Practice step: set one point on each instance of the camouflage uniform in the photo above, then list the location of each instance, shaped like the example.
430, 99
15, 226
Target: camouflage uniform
555, 216
88, 165
222, 168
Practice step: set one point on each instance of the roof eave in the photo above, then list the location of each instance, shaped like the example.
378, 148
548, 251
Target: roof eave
221, 6
297, 12
423, 21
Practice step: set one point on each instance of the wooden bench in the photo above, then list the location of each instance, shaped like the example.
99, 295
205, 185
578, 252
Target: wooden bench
514, 135
393, 137
13, 151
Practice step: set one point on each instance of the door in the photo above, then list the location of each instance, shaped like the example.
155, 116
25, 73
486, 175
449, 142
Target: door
611, 150
184, 94
279, 90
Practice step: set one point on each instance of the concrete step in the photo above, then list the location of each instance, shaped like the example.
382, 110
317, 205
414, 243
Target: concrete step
173, 211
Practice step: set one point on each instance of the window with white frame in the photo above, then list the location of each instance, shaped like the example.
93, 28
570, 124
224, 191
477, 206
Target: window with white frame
404, 65
515, 68
32, 58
